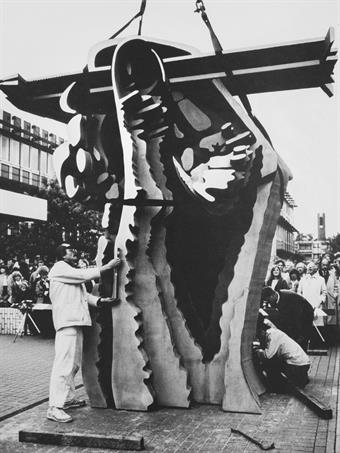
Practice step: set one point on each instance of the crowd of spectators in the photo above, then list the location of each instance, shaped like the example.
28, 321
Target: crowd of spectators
317, 282
299, 313
290, 275
22, 278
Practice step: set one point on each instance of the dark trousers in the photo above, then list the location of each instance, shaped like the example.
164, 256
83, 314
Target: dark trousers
273, 368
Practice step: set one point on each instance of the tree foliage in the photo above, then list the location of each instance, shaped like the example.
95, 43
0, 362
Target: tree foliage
67, 221
334, 243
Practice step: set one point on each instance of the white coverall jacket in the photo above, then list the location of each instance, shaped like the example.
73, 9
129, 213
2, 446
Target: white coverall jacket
69, 296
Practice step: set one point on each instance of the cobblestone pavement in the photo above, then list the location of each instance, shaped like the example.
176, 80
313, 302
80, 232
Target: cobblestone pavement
204, 428
25, 368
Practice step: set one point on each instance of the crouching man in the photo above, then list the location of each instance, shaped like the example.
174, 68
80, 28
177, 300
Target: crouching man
70, 314
279, 353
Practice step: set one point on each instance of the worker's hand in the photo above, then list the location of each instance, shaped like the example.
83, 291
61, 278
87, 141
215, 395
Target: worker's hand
114, 263
107, 302
110, 265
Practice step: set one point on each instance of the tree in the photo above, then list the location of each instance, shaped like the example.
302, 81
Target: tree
334, 243
67, 221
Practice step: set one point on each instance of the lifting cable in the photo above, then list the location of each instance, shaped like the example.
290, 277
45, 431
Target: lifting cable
200, 8
139, 14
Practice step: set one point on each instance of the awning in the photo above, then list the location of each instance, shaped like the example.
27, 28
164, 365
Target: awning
24, 206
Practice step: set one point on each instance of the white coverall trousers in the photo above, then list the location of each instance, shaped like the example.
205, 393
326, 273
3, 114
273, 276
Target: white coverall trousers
67, 361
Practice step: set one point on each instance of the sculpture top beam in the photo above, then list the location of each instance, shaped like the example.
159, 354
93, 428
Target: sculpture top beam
294, 65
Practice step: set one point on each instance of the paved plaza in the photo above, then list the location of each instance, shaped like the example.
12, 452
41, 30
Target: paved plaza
25, 367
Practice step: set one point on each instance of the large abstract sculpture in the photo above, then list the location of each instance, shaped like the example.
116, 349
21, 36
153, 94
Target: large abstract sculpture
192, 190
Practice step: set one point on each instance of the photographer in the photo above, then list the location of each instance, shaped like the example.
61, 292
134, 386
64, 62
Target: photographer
70, 314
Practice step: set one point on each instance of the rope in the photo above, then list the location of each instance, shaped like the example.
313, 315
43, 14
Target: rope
139, 14
142, 9
200, 8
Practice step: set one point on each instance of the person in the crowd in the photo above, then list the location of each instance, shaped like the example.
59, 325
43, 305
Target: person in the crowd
35, 275
289, 266
3, 283
337, 259
70, 314
24, 268
83, 263
282, 265
275, 280
302, 269
324, 268
42, 286
294, 280
289, 312
331, 304
9, 265
313, 287
18, 289
280, 353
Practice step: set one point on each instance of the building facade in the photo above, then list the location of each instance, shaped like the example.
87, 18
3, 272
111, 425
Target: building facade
312, 249
25, 164
25, 151
284, 240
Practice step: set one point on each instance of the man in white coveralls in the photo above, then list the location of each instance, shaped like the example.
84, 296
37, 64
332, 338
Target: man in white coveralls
70, 313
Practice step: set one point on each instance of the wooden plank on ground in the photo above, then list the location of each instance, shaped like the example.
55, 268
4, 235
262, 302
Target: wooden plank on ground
113, 442
331, 433
322, 410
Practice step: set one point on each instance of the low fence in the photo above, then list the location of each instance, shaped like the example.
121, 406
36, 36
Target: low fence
10, 320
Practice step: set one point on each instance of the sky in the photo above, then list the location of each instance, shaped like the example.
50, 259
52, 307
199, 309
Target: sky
48, 37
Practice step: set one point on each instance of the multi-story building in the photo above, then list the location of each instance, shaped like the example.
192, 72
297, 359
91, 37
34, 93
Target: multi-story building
26, 150
25, 164
284, 240
312, 249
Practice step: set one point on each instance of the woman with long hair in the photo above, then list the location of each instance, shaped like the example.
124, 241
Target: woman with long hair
275, 280
18, 288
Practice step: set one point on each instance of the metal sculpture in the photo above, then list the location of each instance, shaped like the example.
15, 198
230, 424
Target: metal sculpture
192, 190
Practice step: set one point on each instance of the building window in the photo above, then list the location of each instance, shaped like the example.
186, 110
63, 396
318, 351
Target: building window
36, 132
15, 174
34, 159
7, 120
25, 177
5, 171
17, 124
25, 155
44, 180
15, 152
27, 129
45, 136
5, 148
35, 180
43, 162
53, 138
